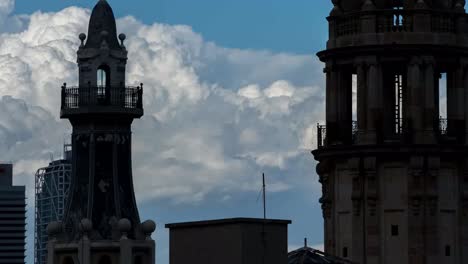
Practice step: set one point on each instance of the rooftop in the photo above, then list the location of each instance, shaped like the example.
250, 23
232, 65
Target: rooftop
229, 221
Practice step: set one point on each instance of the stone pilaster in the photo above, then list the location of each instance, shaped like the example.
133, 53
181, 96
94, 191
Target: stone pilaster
332, 102
358, 221
361, 101
372, 212
456, 102
465, 97
432, 212
416, 210
463, 207
430, 108
374, 101
323, 170
415, 92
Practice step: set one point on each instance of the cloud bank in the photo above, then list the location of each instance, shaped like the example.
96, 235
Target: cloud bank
215, 117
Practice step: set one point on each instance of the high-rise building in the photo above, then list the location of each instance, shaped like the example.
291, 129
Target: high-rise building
12, 218
51, 185
101, 224
394, 179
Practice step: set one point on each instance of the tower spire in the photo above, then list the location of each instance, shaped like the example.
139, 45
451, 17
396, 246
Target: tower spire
102, 27
101, 204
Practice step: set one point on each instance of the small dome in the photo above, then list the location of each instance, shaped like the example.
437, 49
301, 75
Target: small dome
102, 20
307, 255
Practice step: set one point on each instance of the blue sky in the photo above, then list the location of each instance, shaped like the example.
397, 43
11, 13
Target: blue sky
216, 115
296, 26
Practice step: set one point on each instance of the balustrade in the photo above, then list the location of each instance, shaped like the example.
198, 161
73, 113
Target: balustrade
322, 132
124, 97
394, 20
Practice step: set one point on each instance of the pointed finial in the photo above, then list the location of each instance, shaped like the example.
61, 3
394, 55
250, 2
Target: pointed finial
82, 38
122, 38
305, 242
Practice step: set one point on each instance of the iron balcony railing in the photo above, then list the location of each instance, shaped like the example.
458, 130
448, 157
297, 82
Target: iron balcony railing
321, 136
443, 126
322, 131
124, 97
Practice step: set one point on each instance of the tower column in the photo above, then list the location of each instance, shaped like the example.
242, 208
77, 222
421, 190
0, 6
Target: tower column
415, 92
374, 102
372, 230
463, 213
101, 207
465, 97
456, 102
324, 169
430, 111
361, 101
331, 103
344, 106
358, 217
432, 212
400, 191
416, 210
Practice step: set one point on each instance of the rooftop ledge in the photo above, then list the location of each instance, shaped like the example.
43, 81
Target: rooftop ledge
229, 221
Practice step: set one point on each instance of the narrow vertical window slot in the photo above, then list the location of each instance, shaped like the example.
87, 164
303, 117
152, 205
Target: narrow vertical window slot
398, 90
354, 94
101, 78
443, 83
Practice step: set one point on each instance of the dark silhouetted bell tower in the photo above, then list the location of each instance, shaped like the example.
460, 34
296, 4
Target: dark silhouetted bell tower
393, 167
101, 206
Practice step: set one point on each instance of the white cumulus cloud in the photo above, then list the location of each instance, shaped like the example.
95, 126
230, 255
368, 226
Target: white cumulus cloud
215, 117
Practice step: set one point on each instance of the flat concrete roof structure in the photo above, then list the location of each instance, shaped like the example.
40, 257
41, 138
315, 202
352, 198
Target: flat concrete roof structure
229, 241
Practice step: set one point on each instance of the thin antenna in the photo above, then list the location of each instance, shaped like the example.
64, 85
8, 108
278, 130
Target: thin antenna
305, 242
264, 196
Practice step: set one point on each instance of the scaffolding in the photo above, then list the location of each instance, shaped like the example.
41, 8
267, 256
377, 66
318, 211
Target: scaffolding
51, 189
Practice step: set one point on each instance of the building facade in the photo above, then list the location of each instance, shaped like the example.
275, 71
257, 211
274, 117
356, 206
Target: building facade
51, 189
394, 174
12, 218
101, 223
229, 241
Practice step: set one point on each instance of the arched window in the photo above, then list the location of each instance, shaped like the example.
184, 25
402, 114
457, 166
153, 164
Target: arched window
103, 76
68, 260
105, 260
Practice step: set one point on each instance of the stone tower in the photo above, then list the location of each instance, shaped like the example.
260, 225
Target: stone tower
394, 174
101, 224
